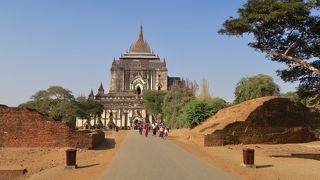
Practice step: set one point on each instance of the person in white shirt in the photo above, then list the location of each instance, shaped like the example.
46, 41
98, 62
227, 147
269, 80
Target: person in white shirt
166, 131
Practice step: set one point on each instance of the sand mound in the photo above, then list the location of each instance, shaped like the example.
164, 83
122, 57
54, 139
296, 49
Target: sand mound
236, 113
263, 120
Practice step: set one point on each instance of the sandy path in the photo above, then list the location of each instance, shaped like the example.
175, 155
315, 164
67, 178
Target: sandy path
229, 158
145, 158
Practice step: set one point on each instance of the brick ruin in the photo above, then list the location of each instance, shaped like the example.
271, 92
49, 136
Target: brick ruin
269, 120
21, 127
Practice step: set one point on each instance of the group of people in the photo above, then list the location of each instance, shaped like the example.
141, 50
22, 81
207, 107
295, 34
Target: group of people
155, 127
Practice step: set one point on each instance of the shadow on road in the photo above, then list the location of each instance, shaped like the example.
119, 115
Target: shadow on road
107, 143
86, 166
264, 166
313, 156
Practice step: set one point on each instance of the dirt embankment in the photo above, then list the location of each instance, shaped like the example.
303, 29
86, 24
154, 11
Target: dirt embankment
263, 120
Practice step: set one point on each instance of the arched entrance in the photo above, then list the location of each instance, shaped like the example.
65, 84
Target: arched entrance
137, 85
138, 90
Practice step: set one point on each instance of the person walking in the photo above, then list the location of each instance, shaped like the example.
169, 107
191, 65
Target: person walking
161, 131
166, 131
146, 129
154, 129
140, 127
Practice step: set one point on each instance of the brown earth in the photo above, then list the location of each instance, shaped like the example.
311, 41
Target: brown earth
48, 163
229, 158
268, 120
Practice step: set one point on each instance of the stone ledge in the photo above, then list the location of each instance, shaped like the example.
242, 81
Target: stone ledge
9, 174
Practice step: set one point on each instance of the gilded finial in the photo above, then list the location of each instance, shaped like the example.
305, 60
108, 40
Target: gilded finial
140, 45
141, 34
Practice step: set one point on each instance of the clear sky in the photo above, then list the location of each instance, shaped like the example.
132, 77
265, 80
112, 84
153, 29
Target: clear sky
72, 44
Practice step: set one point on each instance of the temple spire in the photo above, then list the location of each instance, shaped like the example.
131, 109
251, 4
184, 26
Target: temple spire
91, 96
141, 34
101, 90
140, 46
101, 87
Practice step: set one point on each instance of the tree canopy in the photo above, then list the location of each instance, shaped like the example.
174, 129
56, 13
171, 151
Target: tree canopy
308, 101
288, 32
293, 96
153, 102
173, 103
254, 87
56, 102
60, 104
198, 110
88, 108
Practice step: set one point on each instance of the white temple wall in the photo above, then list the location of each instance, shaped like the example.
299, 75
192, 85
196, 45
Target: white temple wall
119, 117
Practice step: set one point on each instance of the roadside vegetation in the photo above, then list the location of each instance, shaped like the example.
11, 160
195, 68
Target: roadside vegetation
181, 107
60, 104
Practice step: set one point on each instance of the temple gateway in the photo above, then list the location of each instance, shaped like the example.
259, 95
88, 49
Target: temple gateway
135, 71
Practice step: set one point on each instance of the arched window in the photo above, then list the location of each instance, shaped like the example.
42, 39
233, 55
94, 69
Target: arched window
138, 90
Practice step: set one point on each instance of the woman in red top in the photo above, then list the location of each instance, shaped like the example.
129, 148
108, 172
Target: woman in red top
146, 129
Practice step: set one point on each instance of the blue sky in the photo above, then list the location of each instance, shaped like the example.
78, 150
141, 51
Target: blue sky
72, 44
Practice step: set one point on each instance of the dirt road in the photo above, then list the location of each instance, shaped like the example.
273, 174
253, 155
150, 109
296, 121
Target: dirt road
145, 158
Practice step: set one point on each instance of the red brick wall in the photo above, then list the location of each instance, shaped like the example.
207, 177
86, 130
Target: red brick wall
20, 127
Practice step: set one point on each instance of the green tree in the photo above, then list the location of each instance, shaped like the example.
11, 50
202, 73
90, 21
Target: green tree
287, 31
56, 102
153, 102
173, 102
39, 101
307, 101
88, 109
293, 96
254, 87
218, 103
197, 110
64, 111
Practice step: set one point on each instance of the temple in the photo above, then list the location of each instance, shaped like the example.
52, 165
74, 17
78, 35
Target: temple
135, 71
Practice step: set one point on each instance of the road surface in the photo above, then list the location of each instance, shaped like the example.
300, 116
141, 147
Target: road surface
153, 158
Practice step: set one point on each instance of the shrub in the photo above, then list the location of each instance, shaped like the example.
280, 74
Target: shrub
196, 111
